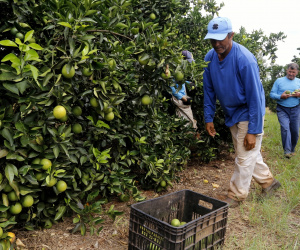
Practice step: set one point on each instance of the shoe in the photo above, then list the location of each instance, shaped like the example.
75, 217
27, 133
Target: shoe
288, 156
266, 192
232, 203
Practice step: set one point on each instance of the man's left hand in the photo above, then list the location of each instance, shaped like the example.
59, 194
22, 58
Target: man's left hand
250, 141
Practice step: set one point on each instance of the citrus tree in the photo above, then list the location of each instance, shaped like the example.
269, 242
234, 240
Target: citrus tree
83, 106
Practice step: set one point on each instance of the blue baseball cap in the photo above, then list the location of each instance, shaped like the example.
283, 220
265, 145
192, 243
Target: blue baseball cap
218, 28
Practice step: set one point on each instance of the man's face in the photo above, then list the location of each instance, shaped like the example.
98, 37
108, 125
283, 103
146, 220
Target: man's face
222, 47
291, 73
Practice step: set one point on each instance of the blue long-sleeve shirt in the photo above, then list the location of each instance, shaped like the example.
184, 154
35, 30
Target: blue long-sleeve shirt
236, 83
281, 85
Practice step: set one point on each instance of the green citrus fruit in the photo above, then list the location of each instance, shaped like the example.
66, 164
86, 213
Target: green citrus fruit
59, 112
108, 110
46, 163
7, 188
87, 72
135, 31
5, 244
165, 76
146, 100
179, 76
64, 119
40, 176
12, 196
16, 208
109, 116
1, 232
76, 128
36, 161
1, 178
52, 182
48, 224
111, 64
20, 36
94, 102
27, 201
182, 223
14, 31
61, 186
152, 16
66, 74
144, 59
175, 223
77, 111
163, 184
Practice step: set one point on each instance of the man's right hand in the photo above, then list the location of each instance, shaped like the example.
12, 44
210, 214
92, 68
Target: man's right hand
210, 128
285, 96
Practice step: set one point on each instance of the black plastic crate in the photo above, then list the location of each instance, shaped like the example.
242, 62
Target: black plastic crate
150, 227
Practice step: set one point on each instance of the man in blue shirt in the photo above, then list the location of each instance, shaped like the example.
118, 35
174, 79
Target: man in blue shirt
232, 77
288, 108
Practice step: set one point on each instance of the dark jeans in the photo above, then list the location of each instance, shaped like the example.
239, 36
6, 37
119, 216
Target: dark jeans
289, 119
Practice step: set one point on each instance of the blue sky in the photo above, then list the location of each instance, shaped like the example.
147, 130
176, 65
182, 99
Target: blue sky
271, 16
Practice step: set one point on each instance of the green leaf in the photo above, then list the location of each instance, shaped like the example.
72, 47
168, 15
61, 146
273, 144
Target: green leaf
88, 20
3, 153
11, 87
7, 223
76, 220
56, 151
11, 57
10, 172
72, 45
7, 135
34, 71
65, 24
35, 46
3, 208
83, 229
8, 76
22, 86
31, 55
8, 43
60, 212
28, 35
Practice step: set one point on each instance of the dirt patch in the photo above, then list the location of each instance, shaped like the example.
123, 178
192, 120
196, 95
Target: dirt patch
115, 235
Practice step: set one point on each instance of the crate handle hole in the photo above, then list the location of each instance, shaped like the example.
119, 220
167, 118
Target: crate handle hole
205, 204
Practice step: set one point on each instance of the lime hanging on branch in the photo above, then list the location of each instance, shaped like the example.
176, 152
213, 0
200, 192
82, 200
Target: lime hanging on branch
144, 59
59, 112
68, 74
146, 100
179, 76
152, 16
